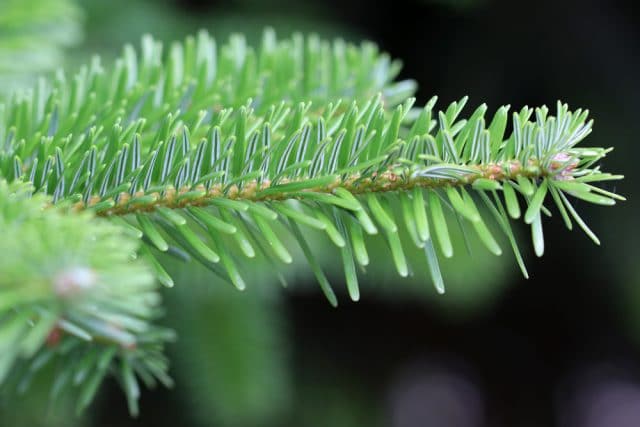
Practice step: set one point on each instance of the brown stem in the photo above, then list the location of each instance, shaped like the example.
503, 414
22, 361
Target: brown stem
391, 180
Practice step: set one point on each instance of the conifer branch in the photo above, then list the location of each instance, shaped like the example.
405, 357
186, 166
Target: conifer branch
71, 295
216, 154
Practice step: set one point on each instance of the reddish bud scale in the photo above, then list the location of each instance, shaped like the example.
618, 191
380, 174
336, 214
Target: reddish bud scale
54, 337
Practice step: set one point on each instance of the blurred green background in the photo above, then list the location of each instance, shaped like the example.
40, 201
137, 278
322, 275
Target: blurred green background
495, 350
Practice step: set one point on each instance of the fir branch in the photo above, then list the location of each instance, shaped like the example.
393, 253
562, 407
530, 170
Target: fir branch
70, 294
220, 154
228, 130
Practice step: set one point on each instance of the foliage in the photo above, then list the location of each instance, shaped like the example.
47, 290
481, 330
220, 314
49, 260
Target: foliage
33, 35
73, 294
221, 153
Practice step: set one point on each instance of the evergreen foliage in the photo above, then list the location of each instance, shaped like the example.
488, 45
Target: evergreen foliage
33, 36
218, 153
71, 295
